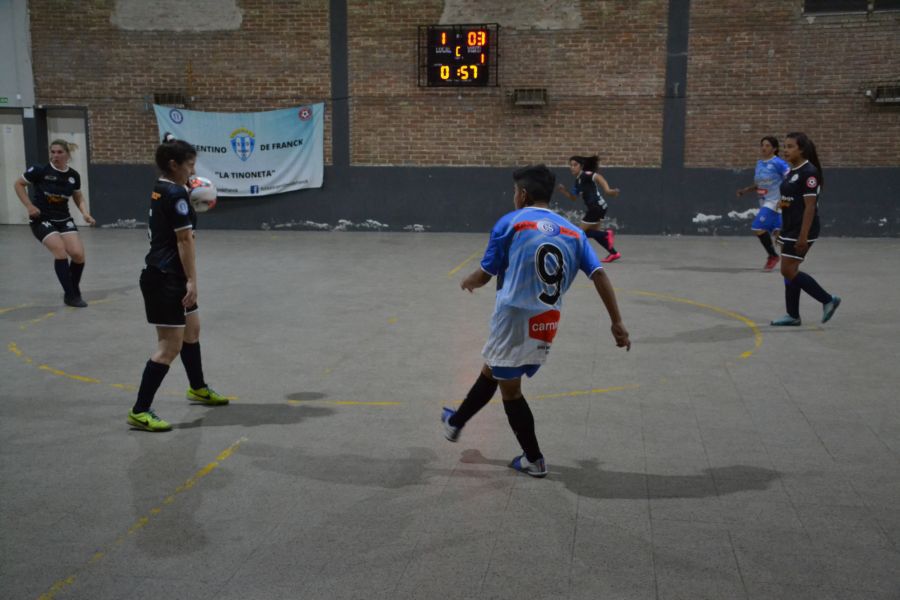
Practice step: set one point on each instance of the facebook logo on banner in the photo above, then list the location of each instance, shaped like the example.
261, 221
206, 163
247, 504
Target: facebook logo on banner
254, 189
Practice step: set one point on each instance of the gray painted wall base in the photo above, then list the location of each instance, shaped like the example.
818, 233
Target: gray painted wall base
470, 199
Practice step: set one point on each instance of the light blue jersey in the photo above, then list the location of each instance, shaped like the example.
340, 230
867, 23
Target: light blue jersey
535, 255
769, 174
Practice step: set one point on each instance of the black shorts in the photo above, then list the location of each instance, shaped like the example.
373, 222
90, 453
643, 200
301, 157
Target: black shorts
162, 297
788, 249
41, 228
595, 213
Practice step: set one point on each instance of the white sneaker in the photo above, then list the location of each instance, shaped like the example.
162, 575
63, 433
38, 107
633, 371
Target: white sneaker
450, 432
535, 469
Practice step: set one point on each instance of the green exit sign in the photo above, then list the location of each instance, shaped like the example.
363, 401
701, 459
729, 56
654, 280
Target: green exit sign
4, 100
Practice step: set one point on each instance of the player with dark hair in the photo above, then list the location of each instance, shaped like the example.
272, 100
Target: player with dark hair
588, 183
799, 208
535, 255
169, 286
54, 184
770, 171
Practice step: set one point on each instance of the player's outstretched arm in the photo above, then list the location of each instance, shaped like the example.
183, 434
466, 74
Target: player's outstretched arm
604, 185
608, 295
474, 280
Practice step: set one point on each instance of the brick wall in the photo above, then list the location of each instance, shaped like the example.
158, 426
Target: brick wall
764, 68
754, 69
280, 57
604, 81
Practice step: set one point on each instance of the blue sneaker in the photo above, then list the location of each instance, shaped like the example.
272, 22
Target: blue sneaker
786, 321
829, 307
535, 469
450, 432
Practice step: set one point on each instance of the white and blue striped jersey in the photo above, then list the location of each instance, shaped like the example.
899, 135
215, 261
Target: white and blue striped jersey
769, 174
535, 255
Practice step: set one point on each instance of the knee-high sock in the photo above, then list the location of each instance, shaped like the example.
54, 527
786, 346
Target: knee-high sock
602, 238
76, 269
154, 373
481, 393
812, 287
61, 266
193, 365
522, 422
766, 240
792, 297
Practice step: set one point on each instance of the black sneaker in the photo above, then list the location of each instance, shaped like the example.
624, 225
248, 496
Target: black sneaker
75, 301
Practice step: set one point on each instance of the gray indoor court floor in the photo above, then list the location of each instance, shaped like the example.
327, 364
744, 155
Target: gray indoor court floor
719, 459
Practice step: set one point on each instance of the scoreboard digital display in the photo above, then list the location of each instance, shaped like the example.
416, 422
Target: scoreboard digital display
458, 55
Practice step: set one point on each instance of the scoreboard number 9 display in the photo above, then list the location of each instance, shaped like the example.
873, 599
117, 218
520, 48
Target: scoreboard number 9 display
458, 55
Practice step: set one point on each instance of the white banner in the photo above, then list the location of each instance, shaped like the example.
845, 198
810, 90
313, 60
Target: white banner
252, 154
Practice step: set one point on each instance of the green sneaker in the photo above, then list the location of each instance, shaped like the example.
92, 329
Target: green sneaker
148, 421
786, 321
207, 396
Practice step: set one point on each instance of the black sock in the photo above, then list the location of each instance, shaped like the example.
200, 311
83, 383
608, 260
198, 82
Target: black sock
154, 373
481, 393
812, 287
190, 358
522, 422
76, 269
766, 240
792, 298
602, 238
61, 265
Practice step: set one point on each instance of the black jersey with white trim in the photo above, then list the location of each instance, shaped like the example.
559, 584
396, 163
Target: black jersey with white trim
799, 182
52, 190
170, 212
587, 188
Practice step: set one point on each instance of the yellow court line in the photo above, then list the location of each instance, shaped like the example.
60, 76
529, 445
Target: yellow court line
128, 387
43, 317
757, 334
143, 521
11, 308
456, 269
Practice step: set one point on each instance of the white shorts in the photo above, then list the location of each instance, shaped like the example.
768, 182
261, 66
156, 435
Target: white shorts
520, 337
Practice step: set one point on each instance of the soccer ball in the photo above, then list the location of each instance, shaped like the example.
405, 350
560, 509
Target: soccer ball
203, 193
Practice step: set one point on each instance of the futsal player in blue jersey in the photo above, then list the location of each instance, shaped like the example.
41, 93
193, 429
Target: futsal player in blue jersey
770, 171
535, 255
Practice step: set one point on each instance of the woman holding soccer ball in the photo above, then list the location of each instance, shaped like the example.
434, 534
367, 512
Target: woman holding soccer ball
169, 285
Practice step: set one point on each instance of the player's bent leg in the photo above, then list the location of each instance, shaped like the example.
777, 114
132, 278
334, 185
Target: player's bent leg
75, 250
479, 395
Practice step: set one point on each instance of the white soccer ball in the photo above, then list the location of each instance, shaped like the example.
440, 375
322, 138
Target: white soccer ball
203, 193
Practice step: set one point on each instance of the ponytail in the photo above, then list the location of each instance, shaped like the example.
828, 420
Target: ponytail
69, 147
808, 150
588, 163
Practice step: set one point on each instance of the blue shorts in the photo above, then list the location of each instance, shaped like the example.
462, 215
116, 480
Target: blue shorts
514, 372
766, 220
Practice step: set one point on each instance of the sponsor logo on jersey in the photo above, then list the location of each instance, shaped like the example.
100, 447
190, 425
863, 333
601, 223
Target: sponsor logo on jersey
811, 182
181, 207
543, 326
176, 116
72, 180
242, 142
548, 228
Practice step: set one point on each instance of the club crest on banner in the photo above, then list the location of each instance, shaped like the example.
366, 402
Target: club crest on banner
242, 142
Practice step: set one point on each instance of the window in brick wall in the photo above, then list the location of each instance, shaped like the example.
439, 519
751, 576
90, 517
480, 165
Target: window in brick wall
835, 6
